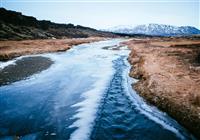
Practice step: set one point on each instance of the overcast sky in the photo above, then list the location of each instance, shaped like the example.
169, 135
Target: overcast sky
102, 14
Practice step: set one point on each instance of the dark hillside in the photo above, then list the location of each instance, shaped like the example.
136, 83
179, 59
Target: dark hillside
15, 26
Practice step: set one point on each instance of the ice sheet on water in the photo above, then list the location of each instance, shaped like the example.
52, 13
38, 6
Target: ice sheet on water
94, 65
87, 109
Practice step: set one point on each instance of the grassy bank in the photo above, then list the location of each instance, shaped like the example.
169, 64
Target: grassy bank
168, 70
12, 49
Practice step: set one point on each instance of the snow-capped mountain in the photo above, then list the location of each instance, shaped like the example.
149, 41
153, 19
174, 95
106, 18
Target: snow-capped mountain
156, 29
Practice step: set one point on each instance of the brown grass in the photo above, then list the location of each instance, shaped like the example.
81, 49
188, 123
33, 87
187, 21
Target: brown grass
169, 76
11, 49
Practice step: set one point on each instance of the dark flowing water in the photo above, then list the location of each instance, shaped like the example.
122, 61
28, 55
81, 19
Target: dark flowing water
118, 117
85, 94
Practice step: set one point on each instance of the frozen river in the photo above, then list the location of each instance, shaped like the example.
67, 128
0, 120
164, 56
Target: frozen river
85, 94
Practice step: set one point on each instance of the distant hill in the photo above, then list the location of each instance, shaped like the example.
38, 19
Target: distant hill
15, 26
156, 29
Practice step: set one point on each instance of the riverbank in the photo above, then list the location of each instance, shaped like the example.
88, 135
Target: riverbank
168, 70
12, 49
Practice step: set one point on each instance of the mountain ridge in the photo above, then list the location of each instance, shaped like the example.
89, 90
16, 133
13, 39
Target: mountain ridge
155, 29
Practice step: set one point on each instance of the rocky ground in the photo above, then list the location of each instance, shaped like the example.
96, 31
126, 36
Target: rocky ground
168, 70
12, 49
